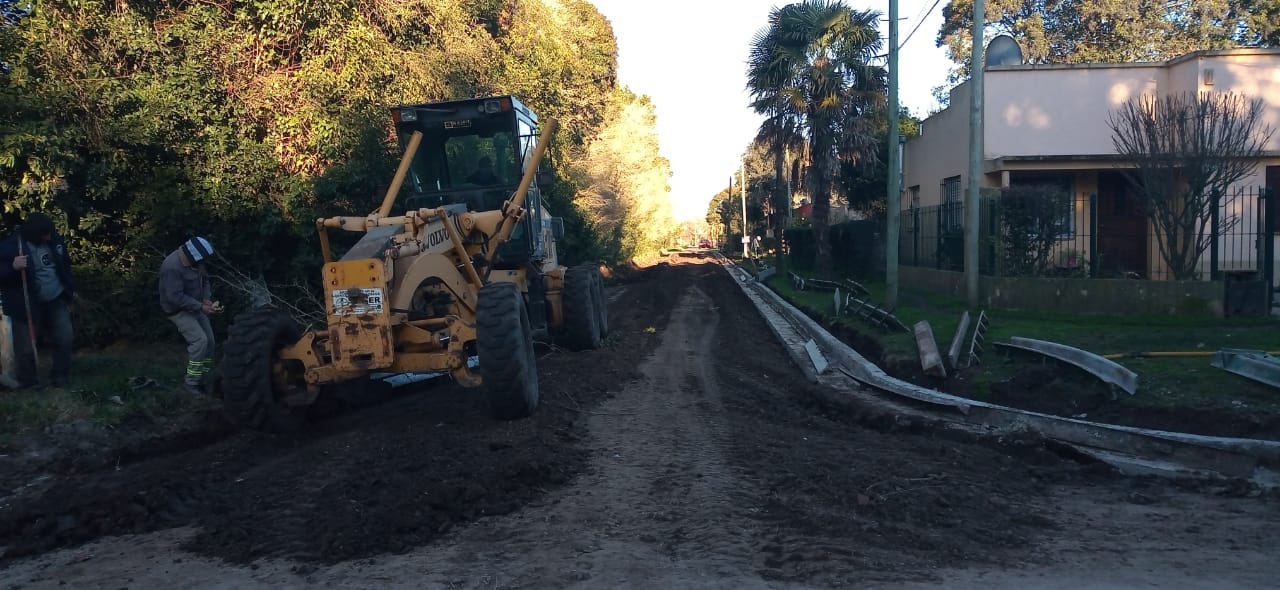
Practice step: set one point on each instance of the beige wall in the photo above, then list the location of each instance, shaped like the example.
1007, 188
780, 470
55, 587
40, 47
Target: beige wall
1063, 110
1183, 76
942, 151
1255, 75
1059, 111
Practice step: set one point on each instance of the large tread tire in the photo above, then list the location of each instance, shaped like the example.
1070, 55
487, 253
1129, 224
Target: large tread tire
504, 343
602, 304
248, 390
581, 313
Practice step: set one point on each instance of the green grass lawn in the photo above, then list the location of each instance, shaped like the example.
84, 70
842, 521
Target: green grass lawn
1163, 381
144, 381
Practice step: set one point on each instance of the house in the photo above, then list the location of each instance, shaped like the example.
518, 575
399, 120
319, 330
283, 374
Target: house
1049, 124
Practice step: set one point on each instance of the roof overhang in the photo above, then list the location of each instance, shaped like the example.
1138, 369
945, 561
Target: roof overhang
1071, 162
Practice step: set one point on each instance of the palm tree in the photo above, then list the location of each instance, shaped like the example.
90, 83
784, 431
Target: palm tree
810, 67
780, 131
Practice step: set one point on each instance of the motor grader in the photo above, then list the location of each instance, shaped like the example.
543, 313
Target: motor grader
460, 277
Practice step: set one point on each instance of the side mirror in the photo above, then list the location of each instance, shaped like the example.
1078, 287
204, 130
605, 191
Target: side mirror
545, 179
557, 228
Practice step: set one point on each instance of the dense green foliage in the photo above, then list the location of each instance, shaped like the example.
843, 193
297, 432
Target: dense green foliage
139, 124
624, 180
1030, 225
1099, 31
810, 74
857, 248
724, 211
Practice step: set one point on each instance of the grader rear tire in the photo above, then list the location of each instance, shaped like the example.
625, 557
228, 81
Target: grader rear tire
248, 378
602, 304
504, 343
581, 308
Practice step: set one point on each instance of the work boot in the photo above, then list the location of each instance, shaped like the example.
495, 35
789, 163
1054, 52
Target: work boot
193, 388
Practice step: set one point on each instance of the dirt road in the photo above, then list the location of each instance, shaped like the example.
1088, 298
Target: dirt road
691, 455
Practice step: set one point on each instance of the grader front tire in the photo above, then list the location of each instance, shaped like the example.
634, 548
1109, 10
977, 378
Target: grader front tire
504, 343
249, 372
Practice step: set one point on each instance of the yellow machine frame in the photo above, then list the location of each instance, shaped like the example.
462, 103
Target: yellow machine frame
370, 327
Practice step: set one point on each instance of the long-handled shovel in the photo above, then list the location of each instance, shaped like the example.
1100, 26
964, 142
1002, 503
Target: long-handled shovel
26, 299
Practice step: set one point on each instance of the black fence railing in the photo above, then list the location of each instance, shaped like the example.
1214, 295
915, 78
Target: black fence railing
1098, 238
857, 247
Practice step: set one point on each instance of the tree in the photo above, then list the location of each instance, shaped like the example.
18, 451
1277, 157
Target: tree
624, 180
1097, 31
780, 131
1186, 151
11, 11
1262, 23
1030, 223
865, 188
140, 123
812, 64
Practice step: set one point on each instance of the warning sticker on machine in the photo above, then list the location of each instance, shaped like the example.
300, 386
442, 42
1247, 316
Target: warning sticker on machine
357, 301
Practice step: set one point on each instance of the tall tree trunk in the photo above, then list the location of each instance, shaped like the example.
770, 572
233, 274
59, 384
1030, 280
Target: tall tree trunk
820, 171
781, 203
821, 218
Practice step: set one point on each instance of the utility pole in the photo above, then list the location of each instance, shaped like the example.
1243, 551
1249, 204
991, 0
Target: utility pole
746, 240
972, 211
893, 206
728, 217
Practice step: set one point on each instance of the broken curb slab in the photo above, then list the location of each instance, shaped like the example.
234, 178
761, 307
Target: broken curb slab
819, 362
1167, 453
930, 360
957, 341
1107, 370
1251, 364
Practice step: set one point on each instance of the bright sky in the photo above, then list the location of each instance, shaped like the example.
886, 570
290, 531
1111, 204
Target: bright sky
690, 57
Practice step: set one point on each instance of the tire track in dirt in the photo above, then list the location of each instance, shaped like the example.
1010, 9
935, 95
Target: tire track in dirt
693, 456
664, 435
658, 505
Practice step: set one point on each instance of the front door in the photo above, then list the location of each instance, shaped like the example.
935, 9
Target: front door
1122, 229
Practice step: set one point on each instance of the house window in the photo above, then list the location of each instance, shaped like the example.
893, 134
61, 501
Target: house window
951, 205
915, 196
1064, 185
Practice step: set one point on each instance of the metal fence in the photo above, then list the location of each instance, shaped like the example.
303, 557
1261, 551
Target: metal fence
1096, 238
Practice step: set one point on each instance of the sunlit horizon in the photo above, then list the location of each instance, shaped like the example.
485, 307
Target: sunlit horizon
698, 90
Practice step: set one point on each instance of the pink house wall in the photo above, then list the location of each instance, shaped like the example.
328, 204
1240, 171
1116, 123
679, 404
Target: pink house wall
1059, 111
940, 152
1063, 110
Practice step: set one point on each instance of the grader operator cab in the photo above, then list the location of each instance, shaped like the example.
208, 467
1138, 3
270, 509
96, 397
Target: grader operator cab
465, 267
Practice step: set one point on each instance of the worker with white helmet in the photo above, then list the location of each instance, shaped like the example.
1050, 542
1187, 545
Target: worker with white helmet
186, 298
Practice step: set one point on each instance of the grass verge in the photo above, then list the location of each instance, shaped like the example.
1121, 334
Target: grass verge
1165, 382
106, 389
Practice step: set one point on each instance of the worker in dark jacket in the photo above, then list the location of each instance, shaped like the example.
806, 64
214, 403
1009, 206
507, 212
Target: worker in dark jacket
35, 258
185, 297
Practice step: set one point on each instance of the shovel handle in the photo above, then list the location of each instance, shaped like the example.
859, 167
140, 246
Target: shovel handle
26, 299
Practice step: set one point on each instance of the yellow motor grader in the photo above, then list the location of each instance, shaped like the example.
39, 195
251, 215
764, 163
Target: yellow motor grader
464, 267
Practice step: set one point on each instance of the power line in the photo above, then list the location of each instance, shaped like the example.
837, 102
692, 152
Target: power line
918, 23
913, 31
920, 12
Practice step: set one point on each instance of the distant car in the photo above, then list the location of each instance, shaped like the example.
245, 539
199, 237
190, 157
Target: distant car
704, 243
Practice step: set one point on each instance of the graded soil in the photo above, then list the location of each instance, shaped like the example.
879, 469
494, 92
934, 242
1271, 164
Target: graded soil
686, 453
